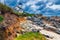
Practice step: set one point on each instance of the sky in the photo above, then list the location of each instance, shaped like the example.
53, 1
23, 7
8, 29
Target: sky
45, 7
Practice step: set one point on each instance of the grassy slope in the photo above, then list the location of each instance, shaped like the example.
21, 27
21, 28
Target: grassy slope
31, 36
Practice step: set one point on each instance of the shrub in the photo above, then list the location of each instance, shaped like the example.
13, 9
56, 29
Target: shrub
31, 36
5, 8
1, 18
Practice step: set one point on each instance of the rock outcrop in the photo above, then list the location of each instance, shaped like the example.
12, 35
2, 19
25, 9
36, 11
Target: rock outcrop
10, 26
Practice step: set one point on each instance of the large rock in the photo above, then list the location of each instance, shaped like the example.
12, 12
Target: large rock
10, 26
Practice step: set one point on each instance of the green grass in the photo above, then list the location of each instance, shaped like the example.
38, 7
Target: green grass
1, 18
24, 14
31, 36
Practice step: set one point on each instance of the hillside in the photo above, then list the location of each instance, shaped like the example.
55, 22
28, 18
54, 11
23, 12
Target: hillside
10, 23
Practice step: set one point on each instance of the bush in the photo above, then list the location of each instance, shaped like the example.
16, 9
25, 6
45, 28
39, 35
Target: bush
31, 36
24, 14
1, 18
5, 8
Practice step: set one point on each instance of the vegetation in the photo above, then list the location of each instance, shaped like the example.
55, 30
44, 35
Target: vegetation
31, 36
27, 14
24, 14
1, 18
4, 8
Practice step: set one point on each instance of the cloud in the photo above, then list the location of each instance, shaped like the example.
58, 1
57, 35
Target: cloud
55, 7
46, 7
34, 5
2, 1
